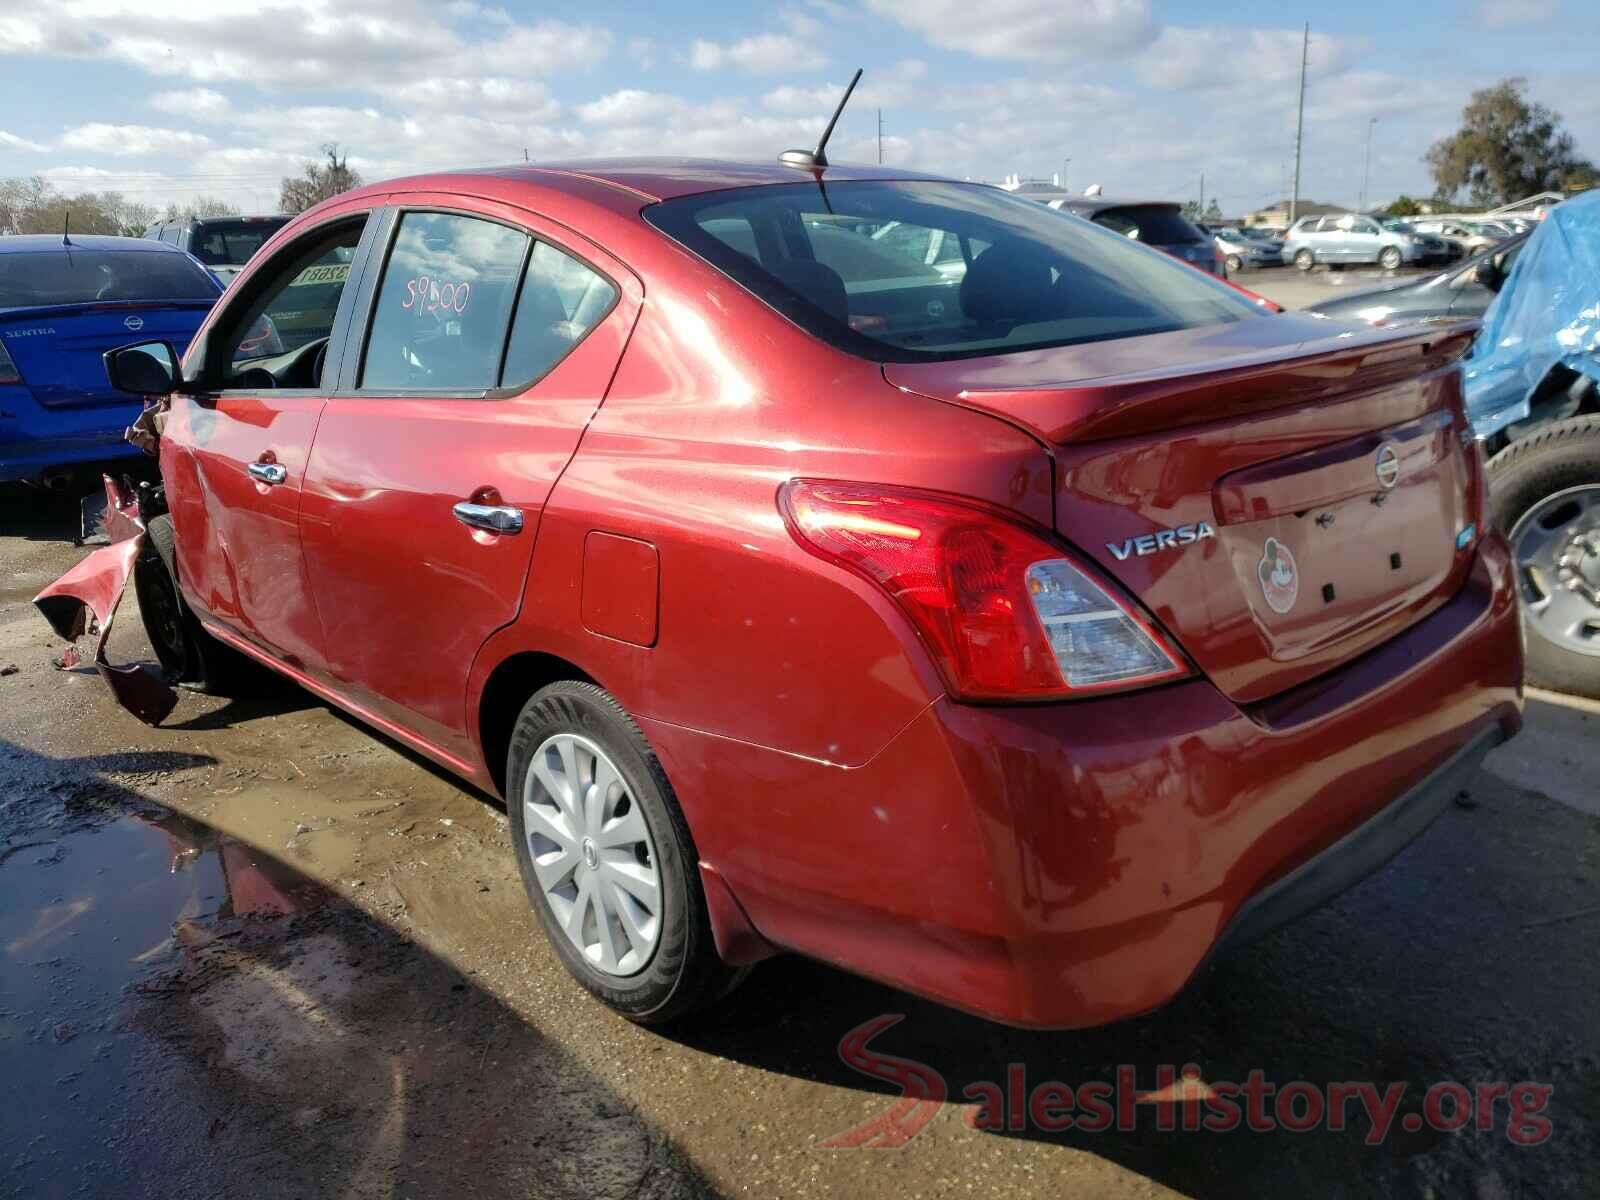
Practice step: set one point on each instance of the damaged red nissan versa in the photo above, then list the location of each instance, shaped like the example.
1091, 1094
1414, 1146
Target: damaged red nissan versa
842, 561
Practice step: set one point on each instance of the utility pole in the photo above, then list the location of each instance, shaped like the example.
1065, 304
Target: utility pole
880, 137
1300, 124
1366, 166
1065, 163
1202, 209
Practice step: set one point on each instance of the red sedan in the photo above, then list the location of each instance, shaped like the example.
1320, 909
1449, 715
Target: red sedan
843, 561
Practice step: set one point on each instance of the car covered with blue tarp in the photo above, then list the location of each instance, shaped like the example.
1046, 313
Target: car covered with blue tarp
1533, 394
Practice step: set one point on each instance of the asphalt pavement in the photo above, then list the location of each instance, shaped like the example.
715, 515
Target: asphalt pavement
262, 950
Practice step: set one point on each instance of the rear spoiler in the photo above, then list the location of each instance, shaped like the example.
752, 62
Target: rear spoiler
1172, 397
35, 311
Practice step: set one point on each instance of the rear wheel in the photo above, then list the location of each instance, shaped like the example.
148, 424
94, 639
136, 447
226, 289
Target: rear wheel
1389, 258
607, 859
1304, 260
1545, 494
187, 653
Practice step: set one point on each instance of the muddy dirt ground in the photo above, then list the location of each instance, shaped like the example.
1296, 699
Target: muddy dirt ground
263, 951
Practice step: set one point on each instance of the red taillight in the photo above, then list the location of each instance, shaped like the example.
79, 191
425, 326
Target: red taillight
1005, 613
8, 369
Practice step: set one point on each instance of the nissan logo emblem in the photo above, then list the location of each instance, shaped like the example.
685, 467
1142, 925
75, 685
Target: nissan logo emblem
134, 324
1388, 466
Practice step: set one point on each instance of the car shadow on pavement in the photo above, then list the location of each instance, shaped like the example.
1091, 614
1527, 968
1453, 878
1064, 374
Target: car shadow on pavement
1467, 959
195, 1016
38, 514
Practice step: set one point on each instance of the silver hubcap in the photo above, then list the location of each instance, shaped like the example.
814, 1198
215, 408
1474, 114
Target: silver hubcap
592, 854
1557, 545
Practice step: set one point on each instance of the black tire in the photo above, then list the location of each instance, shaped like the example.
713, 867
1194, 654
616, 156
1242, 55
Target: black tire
1389, 258
1234, 263
189, 655
1304, 260
1560, 456
684, 973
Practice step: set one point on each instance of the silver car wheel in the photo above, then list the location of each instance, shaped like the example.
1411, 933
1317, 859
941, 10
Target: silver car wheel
1557, 548
592, 854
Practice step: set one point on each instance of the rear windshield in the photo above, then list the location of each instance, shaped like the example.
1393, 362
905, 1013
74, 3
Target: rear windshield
78, 276
231, 243
916, 271
1158, 224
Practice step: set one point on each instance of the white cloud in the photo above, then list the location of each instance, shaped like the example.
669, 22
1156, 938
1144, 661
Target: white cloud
763, 54
12, 141
1509, 14
286, 44
630, 106
201, 104
1257, 59
1051, 31
127, 141
889, 87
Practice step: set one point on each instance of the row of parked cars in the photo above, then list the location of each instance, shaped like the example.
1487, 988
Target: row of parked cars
1342, 239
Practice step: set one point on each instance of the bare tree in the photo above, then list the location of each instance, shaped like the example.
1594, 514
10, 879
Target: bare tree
33, 205
317, 182
201, 206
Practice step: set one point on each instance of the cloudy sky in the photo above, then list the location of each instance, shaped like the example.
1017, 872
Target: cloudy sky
169, 99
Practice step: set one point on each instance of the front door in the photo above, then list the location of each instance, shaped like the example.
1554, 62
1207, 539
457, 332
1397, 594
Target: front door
235, 455
491, 341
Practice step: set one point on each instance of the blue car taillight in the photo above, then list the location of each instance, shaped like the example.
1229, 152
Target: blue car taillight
8, 369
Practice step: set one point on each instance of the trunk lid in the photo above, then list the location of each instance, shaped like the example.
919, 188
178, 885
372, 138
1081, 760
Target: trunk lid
1283, 494
58, 348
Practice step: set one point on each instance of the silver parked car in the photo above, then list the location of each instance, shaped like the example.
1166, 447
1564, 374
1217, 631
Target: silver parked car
1241, 250
1353, 238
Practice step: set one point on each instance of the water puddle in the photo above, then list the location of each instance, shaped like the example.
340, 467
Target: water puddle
90, 913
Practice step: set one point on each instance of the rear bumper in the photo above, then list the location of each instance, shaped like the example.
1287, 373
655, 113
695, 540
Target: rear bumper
1363, 851
34, 439
1072, 864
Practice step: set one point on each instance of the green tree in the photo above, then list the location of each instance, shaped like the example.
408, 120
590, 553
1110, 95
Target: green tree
1506, 148
1404, 206
1213, 211
318, 182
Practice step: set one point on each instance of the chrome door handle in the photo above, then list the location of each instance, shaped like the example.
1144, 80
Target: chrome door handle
267, 472
496, 518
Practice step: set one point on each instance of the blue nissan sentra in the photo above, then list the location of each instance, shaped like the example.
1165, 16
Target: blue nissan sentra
63, 303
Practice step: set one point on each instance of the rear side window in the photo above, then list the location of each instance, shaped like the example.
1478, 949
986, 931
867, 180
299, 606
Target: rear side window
906, 271
68, 276
231, 243
560, 301
1155, 224
444, 304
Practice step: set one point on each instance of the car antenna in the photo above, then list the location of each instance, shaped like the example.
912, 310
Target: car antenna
809, 160
66, 229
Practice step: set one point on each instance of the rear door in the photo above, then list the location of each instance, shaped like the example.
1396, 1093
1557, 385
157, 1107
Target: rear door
235, 456
488, 338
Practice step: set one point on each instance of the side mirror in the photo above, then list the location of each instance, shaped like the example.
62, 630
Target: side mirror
1487, 274
145, 368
